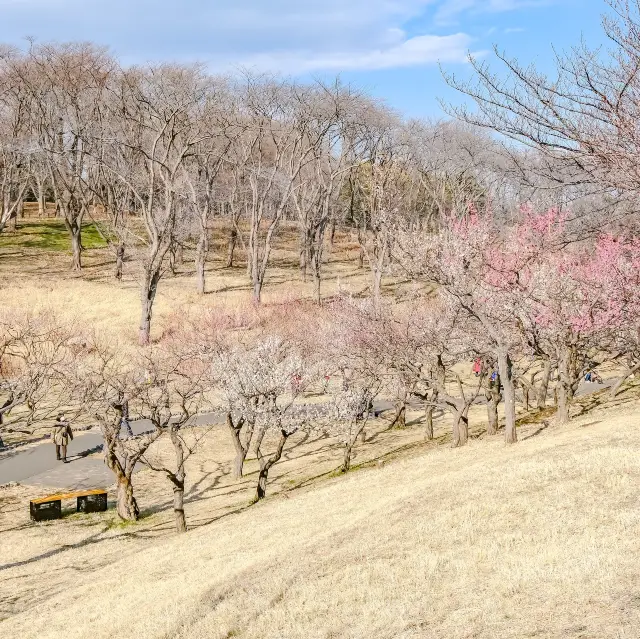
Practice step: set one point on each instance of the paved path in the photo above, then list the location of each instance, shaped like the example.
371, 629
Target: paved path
37, 465
588, 388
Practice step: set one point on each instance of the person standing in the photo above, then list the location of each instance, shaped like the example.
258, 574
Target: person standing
124, 422
61, 436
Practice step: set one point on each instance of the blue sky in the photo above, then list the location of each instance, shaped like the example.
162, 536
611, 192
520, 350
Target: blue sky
390, 47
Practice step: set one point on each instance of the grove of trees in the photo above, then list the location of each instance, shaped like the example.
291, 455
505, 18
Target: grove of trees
522, 257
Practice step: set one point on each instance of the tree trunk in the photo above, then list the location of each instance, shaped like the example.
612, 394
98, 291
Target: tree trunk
348, 449
201, 260
563, 405
74, 227
147, 296
461, 427
346, 460
304, 251
564, 398
493, 399
267, 463
127, 506
76, 249
257, 289
317, 295
400, 417
178, 507
231, 247
506, 378
316, 267
241, 450
253, 256
178, 481
172, 260
4, 409
525, 397
42, 205
360, 259
615, 389
259, 437
428, 431
543, 389
119, 261
315, 250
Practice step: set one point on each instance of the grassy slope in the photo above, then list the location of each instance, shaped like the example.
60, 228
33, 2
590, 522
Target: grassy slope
49, 235
536, 540
35, 272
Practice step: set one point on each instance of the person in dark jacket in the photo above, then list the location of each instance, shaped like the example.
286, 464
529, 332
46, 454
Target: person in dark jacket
61, 436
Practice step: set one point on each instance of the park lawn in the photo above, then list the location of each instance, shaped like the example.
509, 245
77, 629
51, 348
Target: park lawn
538, 539
49, 235
41, 279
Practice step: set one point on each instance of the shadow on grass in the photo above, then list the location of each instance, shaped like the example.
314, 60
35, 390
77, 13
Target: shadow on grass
93, 539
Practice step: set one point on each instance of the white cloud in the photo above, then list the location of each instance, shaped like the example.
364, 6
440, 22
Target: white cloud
420, 50
451, 10
292, 36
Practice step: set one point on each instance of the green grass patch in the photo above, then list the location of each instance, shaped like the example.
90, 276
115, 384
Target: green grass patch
49, 235
537, 416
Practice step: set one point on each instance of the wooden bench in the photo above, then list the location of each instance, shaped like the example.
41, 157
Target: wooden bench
50, 507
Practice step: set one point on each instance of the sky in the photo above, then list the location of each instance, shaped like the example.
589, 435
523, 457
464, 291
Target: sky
394, 49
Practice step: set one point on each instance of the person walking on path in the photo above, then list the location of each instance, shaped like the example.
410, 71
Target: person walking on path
61, 436
124, 420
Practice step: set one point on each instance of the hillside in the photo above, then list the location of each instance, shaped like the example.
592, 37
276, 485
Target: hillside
535, 540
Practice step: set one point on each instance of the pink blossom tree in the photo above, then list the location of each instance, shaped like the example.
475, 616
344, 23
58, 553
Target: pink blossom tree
471, 262
345, 338
433, 337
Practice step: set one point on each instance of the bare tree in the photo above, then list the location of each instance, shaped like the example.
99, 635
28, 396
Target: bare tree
377, 193
202, 172
104, 379
348, 341
34, 354
583, 118
16, 150
261, 385
176, 389
320, 183
64, 87
275, 138
153, 132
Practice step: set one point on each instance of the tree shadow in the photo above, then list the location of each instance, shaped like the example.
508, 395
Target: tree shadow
536, 432
93, 539
85, 453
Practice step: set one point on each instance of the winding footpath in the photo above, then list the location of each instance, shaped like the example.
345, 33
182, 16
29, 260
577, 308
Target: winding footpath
37, 465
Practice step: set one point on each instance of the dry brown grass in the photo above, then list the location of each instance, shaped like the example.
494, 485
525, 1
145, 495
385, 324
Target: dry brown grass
32, 278
535, 540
